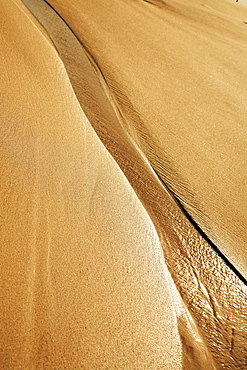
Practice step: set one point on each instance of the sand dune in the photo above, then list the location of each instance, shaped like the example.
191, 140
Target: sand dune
91, 226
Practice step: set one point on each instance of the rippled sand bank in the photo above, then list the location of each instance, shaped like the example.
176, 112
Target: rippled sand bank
101, 267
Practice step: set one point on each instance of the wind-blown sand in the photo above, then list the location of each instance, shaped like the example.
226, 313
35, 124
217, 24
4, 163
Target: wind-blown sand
101, 267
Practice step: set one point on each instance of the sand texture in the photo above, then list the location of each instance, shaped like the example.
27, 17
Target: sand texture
123, 149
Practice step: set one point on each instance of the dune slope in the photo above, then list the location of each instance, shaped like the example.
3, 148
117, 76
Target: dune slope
178, 72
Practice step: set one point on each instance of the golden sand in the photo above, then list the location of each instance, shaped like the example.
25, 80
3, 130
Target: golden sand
111, 111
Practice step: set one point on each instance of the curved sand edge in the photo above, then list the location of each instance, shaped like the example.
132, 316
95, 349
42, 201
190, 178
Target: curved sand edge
197, 262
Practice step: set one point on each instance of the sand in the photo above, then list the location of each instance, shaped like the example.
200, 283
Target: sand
112, 114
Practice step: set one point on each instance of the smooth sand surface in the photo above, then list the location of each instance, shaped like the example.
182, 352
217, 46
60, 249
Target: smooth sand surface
85, 280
